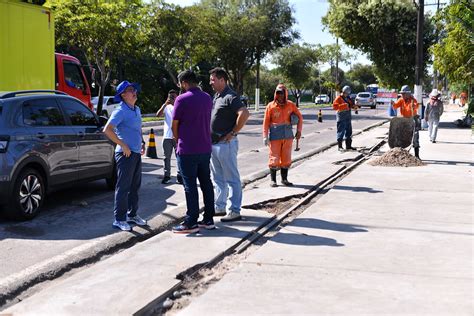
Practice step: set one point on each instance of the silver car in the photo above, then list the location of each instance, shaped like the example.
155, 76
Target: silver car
365, 99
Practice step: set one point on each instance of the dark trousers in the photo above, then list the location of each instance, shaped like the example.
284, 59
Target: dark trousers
129, 179
344, 130
194, 167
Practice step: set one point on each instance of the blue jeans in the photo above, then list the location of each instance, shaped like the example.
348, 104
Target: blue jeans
194, 167
344, 125
226, 175
129, 179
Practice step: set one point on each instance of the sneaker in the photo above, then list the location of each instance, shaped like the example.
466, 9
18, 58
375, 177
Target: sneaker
123, 225
166, 180
179, 179
218, 212
287, 183
231, 217
137, 220
206, 224
185, 229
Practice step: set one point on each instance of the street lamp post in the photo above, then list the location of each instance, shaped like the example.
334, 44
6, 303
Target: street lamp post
419, 53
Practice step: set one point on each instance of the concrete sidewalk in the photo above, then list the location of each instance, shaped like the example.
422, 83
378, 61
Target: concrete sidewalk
383, 241
135, 277
359, 229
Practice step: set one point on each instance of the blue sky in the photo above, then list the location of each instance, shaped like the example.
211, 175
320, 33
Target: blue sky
308, 14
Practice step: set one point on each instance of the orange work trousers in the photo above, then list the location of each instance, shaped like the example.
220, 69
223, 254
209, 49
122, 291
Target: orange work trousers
280, 153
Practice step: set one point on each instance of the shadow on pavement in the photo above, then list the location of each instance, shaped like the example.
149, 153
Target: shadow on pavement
448, 162
304, 240
325, 225
356, 189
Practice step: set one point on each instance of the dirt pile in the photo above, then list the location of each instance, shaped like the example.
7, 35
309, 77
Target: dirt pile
397, 157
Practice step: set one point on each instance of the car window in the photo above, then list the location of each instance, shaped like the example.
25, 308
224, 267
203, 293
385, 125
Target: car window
73, 75
110, 101
42, 112
78, 113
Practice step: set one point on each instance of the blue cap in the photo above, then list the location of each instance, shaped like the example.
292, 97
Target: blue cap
121, 88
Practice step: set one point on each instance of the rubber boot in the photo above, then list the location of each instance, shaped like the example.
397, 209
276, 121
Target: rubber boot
349, 144
339, 145
417, 152
273, 178
284, 177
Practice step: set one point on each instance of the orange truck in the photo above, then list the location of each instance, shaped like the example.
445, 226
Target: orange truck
27, 57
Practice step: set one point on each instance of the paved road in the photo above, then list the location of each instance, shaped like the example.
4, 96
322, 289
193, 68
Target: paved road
79, 219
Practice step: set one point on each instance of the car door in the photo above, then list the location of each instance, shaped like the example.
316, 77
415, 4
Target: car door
96, 152
52, 138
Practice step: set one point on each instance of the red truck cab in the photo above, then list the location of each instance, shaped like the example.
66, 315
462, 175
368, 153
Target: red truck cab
70, 78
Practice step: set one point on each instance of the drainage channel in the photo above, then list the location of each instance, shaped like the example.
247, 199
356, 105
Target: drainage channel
196, 280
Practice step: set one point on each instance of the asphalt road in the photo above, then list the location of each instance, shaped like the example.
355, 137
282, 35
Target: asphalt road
78, 219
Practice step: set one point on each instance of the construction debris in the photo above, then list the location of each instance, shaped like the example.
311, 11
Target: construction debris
397, 157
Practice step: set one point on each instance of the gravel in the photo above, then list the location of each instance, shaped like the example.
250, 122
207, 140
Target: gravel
397, 157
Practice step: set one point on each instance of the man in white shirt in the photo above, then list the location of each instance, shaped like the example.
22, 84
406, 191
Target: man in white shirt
169, 144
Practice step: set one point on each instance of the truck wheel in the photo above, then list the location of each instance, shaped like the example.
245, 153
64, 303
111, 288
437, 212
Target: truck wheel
27, 196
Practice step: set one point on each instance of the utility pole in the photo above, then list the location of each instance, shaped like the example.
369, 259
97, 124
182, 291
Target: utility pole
419, 53
337, 68
257, 86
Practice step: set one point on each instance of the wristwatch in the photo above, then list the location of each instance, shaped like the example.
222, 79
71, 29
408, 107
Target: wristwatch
233, 133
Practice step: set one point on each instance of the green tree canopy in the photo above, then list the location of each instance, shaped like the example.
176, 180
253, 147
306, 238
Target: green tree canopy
295, 63
454, 53
386, 31
103, 31
364, 74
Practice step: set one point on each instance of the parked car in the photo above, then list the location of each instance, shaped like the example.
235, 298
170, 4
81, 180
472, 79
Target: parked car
322, 99
108, 105
365, 99
48, 140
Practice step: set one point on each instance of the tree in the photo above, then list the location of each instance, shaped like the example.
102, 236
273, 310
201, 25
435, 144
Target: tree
103, 31
247, 31
364, 74
295, 64
454, 54
386, 31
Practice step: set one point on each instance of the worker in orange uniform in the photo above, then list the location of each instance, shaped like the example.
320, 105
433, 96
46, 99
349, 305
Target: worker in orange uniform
278, 133
343, 104
409, 108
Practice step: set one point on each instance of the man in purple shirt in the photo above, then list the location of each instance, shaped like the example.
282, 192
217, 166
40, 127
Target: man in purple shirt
192, 132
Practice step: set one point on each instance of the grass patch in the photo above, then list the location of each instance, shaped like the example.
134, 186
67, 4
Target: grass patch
313, 105
151, 119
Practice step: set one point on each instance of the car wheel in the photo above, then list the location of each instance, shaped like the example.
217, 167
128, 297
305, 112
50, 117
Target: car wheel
105, 113
27, 196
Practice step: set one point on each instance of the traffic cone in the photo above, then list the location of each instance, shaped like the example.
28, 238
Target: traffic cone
151, 149
320, 116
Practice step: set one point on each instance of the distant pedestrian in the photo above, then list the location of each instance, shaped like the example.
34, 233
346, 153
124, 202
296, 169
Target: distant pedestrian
125, 129
278, 133
343, 104
434, 110
409, 108
168, 143
192, 132
453, 97
462, 99
229, 116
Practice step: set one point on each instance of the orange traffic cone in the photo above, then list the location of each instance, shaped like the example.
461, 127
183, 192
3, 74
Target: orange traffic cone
320, 116
151, 149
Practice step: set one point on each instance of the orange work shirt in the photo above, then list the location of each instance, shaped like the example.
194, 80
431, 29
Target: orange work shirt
406, 106
275, 114
340, 105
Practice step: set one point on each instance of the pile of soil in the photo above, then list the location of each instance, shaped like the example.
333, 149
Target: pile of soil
397, 157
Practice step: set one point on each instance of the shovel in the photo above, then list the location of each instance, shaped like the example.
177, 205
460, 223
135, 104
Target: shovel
297, 144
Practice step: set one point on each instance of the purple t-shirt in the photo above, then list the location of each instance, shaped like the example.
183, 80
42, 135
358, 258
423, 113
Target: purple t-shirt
193, 111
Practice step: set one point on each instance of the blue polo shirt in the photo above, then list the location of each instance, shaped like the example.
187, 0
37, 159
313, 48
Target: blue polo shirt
128, 126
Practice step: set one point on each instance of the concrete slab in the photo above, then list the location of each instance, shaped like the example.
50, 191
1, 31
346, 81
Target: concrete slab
128, 281
385, 241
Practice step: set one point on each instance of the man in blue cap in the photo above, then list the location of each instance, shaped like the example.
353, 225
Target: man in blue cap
125, 129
